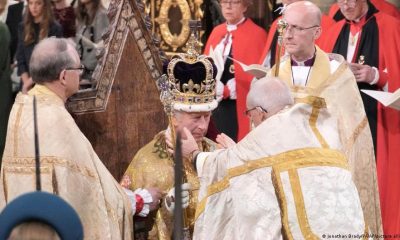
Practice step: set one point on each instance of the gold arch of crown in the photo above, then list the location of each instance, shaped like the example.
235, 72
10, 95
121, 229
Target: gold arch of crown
190, 92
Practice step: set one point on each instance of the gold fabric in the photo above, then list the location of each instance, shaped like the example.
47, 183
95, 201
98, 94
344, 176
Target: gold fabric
281, 182
337, 85
69, 166
152, 167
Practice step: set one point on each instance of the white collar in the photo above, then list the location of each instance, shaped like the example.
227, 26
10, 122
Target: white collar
232, 27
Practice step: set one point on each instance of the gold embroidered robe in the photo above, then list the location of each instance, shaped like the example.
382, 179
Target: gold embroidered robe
331, 79
69, 166
152, 167
287, 179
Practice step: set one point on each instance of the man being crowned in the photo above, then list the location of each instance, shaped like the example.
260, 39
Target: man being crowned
190, 86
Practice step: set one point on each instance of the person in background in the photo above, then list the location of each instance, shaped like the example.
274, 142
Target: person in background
381, 5
270, 50
69, 166
92, 22
5, 79
37, 25
241, 39
65, 15
369, 40
309, 71
14, 17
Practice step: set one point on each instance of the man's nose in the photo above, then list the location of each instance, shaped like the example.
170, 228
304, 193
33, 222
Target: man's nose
203, 123
287, 33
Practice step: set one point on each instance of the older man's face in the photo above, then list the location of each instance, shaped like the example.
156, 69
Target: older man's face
74, 73
299, 36
196, 123
351, 9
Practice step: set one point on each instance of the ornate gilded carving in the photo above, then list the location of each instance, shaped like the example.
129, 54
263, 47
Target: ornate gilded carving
170, 20
126, 16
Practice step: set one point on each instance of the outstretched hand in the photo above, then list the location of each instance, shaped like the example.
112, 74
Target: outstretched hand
189, 144
224, 141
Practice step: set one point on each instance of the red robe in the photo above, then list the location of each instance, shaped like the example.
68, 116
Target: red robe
248, 41
381, 5
326, 23
388, 129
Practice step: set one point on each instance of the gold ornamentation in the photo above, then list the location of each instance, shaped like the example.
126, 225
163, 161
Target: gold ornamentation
161, 147
127, 21
301, 158
232, 69
313, 124
277, 183
16, 129
353, 39
300, 206
17, 164
361, 59
205, 92
172, 39
191, 87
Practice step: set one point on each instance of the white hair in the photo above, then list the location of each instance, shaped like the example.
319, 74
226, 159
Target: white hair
269, 93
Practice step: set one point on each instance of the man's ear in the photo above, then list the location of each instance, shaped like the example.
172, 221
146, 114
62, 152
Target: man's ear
61, 77
318, 33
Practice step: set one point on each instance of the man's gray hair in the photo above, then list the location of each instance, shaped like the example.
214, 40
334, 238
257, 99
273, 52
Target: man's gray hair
50, 56
270, 93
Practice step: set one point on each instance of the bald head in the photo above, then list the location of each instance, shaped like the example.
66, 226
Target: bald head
287, 2
270, 93
49, 57
308, 10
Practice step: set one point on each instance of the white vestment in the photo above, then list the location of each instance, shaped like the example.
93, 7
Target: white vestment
285, 180
69, 166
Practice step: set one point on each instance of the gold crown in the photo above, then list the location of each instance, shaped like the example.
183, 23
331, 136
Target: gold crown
191, 77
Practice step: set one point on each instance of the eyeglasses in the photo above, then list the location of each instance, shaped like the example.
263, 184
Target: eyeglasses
247, 112
349, 3
80, 69
231, 3
296, 29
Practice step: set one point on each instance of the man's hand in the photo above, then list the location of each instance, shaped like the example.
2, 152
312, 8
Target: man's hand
224, 141
363, 73
156, 195
170, 198
189, 144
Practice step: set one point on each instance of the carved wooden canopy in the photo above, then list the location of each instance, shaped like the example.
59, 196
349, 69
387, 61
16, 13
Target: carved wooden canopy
123, 112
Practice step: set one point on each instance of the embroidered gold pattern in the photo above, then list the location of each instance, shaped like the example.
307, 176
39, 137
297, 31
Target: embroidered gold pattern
300, 158
16, 129
313, 124
26, 165
191, 88
357, 131
300, 207
276, 181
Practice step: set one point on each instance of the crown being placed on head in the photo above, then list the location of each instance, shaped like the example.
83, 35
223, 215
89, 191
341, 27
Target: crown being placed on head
191, 80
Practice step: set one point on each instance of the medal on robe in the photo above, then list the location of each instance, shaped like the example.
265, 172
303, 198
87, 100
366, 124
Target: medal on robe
232, 69
353, 39
361, 59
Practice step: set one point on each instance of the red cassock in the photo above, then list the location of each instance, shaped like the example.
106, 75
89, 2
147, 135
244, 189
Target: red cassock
326, 23
248, 41
388, 126
382, 5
